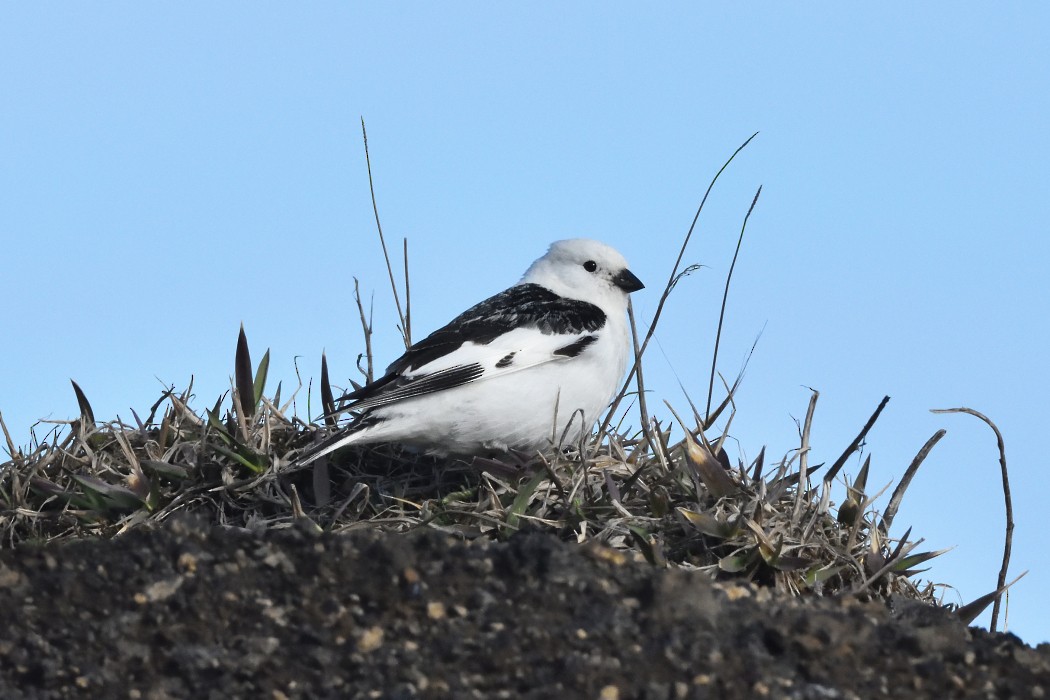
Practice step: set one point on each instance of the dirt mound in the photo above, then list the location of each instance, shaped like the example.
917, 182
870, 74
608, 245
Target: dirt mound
188, 610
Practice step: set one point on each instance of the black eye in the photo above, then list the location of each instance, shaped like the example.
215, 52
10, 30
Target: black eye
590, 266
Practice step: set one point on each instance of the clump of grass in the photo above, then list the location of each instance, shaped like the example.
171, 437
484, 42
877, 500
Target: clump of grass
675, 502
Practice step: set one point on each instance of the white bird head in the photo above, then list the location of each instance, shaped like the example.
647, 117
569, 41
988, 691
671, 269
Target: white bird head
580, 268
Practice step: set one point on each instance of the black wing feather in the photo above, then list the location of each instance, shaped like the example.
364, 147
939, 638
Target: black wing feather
395, 387
522, 306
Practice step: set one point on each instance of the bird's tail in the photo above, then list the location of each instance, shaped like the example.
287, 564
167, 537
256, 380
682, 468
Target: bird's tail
341, 438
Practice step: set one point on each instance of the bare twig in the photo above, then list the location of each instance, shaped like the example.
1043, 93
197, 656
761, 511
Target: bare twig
855, 445
1008, 544
382, 241
643, 411
366, 329
725, 298
408, 297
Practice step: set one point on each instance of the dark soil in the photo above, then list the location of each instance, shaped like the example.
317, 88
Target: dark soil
189, 611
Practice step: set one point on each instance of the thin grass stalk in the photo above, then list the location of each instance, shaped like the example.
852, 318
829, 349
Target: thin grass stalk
382, 240
1008, 543
671, 282
366, 329
408, 296
725, 298
643, 411
730, 391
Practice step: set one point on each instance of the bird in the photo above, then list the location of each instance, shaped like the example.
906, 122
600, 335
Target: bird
526, 370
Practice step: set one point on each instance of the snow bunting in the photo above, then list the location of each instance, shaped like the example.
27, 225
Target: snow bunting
518, 371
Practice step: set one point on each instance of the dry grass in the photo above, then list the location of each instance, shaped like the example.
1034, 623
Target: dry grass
680, 503
677, 501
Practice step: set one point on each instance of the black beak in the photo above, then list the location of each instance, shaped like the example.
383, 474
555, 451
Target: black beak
626, 281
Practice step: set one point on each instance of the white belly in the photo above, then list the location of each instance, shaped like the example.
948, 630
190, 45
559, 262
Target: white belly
541, 406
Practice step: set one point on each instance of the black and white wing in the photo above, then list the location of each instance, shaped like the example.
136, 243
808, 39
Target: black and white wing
524, 326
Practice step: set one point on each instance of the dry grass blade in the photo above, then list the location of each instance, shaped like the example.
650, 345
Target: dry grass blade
758, 464
1008, 541
702, 460
902, 486
237, 418
86, 414
11, 449
137, 481
969, 612
803, 452
725, 299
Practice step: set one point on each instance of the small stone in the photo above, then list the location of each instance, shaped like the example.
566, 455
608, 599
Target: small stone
371, 640
9, 578
160, 590
436, 610
187, 563
737, 592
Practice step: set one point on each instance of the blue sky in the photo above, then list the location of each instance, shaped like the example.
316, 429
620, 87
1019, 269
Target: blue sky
168, 172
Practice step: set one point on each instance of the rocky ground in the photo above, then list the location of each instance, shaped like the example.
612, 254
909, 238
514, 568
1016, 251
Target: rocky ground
191, 611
